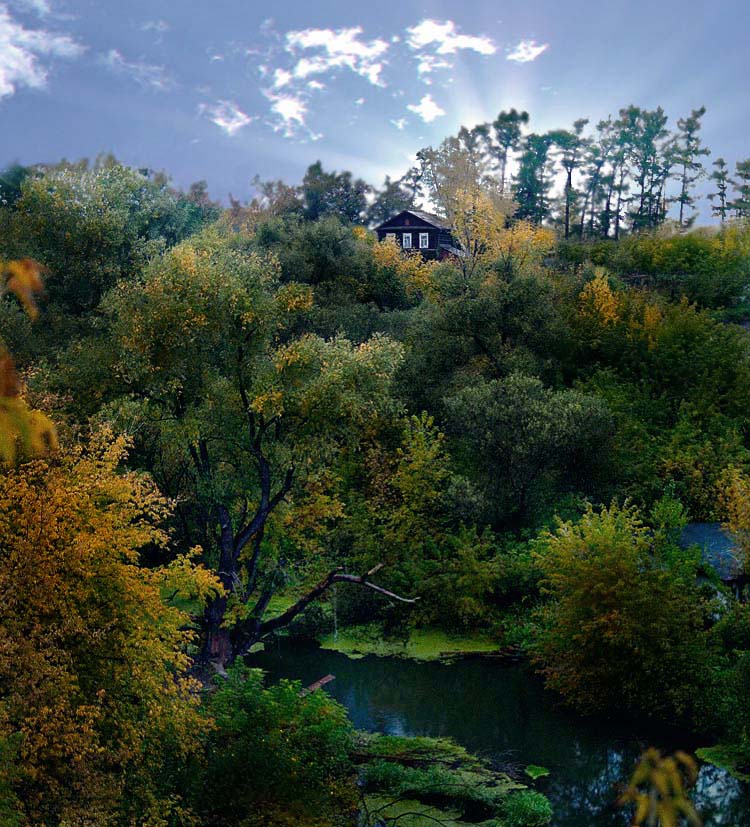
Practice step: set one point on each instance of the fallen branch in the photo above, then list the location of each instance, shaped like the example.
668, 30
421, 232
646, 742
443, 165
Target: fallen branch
317, 685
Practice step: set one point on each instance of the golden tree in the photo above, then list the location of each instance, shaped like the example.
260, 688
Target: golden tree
92, 658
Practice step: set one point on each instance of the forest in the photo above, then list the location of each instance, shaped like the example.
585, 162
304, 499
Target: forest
224, 428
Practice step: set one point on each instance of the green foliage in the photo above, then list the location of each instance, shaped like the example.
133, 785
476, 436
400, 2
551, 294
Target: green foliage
526, 808
624, 606
437, 773
534, 771
518, 435
709, 266
92, 228
275, 756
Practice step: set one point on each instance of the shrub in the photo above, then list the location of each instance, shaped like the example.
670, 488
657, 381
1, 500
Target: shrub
275, 756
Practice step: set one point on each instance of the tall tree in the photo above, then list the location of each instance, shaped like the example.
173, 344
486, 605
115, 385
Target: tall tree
650, 156
333, 193
686, 155
533, 181
741, 201
507, 129
241, 420
571, 146
458, 182
393, 197
720, 201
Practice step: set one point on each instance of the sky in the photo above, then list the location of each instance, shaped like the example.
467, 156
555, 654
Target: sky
229, 89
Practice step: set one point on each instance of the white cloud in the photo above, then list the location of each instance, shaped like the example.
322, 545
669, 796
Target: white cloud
159, 26
359, 101
429, 63
339, 48
316, 85
427, 109
281, 78
526, 51
400, 123
289, 111
20, 49
445, 39
226, 115
41, 8
147, 75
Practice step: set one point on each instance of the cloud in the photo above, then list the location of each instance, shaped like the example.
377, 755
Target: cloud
281, 78
429, 63
147, 75
444, 38
159, 26
41, 8
427, 109
337, 49
20, 50
290, 112
526, 51
226, 115
400, 123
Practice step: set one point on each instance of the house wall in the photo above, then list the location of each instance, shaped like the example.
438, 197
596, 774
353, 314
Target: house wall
401, 224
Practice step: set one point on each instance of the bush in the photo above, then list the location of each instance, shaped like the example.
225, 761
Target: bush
625, 627
526, 808
275, 757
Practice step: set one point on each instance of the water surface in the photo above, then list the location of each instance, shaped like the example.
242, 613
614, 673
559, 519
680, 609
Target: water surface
501, 711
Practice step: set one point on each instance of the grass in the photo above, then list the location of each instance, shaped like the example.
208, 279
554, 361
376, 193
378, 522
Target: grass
422, 644
420, 781
727, 758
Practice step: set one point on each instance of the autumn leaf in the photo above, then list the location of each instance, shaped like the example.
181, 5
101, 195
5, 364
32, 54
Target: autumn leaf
23, 277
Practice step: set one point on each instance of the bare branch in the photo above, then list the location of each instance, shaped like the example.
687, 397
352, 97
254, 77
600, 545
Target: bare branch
335, 576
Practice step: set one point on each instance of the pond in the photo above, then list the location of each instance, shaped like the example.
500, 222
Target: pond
502, 712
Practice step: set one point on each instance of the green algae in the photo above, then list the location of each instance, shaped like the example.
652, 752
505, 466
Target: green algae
421, 644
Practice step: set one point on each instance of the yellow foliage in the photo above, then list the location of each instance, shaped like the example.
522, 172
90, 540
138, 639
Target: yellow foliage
92, 660
415, 272
522, 246
294, 298
186, 258
734, 503
23, 277
20, 426
269, 403
658, 789
598, 302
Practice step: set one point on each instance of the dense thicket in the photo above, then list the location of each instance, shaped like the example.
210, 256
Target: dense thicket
515, 436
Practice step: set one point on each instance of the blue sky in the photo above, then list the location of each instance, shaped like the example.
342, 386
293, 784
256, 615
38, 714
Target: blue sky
228, 89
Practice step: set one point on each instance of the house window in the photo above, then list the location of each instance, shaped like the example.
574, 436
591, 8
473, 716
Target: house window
406, 241
390, 236
424, 241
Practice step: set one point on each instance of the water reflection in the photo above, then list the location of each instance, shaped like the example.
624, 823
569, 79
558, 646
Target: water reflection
503, 713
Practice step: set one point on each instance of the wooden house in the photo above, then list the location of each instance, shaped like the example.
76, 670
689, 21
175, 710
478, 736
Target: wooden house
423, 231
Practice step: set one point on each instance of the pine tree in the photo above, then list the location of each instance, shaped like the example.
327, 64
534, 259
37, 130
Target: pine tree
571, 146
534, 180
741, 203
687, 154
507, 128
720, 177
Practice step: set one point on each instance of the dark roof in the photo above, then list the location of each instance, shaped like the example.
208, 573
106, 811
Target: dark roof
428, 217
431, 218
717, 546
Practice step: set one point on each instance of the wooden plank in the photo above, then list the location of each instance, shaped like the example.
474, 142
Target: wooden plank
317, 685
